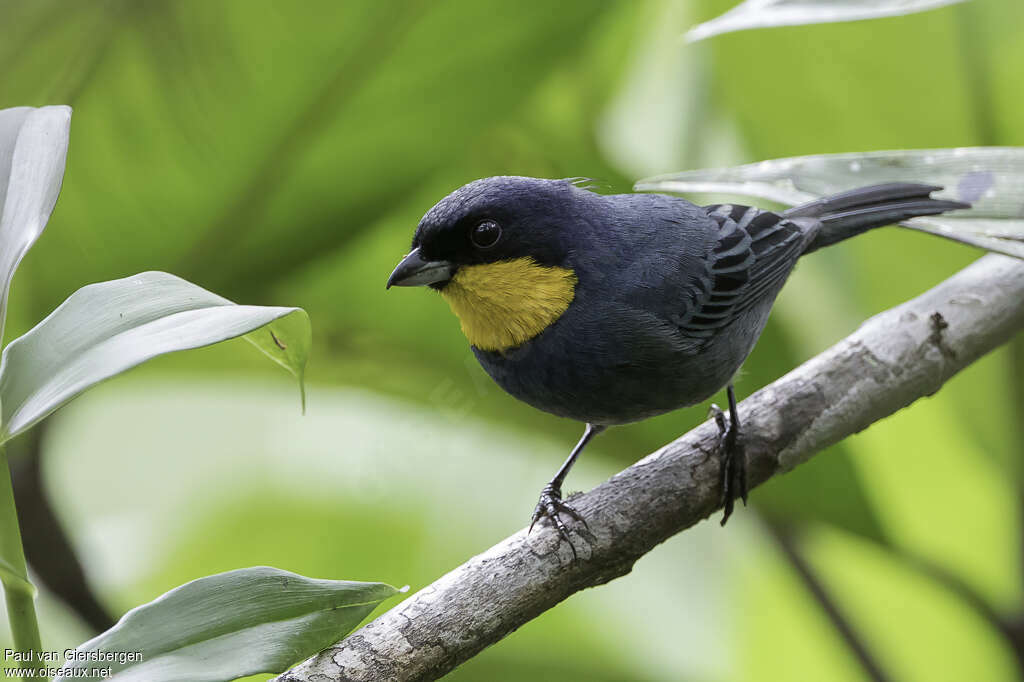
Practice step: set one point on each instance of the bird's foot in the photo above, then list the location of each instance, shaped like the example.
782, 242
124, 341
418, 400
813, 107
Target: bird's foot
733, 457
550, 506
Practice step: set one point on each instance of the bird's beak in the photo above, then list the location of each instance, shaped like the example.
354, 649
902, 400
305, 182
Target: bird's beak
415, 271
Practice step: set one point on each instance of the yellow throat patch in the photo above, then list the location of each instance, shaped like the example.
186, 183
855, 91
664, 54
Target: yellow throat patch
505, 304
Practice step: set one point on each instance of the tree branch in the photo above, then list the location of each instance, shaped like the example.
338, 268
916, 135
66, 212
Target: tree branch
891, 361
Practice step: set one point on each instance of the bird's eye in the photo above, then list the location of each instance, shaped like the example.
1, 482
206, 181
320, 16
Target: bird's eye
485, 234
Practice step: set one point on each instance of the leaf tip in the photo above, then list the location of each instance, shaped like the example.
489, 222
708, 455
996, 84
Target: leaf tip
697, 34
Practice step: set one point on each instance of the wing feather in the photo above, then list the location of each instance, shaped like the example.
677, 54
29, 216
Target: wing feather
753, 256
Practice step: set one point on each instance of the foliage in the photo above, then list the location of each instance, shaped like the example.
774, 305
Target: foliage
284, 154
105, 329
991, 179
224, 626
215, 628
769, 13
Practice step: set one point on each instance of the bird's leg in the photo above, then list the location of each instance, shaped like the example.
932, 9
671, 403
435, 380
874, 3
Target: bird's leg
733, 477
550, 503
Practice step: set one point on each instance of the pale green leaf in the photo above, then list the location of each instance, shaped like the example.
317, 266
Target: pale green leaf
104, 329
286, 341
769, 13
33, 148
991, 179
226, 626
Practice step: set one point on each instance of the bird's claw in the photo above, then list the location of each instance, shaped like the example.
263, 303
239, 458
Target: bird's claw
733, 477
550, 506
715, 412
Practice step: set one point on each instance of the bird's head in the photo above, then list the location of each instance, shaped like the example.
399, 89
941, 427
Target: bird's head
498, 250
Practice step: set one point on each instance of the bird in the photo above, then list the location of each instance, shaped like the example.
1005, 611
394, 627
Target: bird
609, 309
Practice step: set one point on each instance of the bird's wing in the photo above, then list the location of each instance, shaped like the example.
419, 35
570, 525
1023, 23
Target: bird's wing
754, 253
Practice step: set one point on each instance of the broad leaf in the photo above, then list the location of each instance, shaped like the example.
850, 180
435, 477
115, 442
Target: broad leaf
104, 329
226, 626
990, 178
768, 13
33, 148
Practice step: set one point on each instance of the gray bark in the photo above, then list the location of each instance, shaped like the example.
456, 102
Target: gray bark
894, 358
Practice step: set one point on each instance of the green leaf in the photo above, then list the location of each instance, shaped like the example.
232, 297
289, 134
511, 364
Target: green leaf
990, 178
769, 13
12, 577
286, 341
104, 329
226, 626
33, 148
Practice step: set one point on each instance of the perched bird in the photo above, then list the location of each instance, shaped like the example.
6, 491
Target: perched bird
609, 309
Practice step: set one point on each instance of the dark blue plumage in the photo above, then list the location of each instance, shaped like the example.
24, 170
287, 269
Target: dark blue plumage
658, 277
669, 297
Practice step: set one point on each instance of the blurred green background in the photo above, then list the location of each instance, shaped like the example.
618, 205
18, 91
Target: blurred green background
282, 153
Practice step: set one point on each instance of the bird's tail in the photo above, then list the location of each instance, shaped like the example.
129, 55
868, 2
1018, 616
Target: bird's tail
848, 214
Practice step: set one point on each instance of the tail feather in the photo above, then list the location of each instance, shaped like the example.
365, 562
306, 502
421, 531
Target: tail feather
863, 196
850, 213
